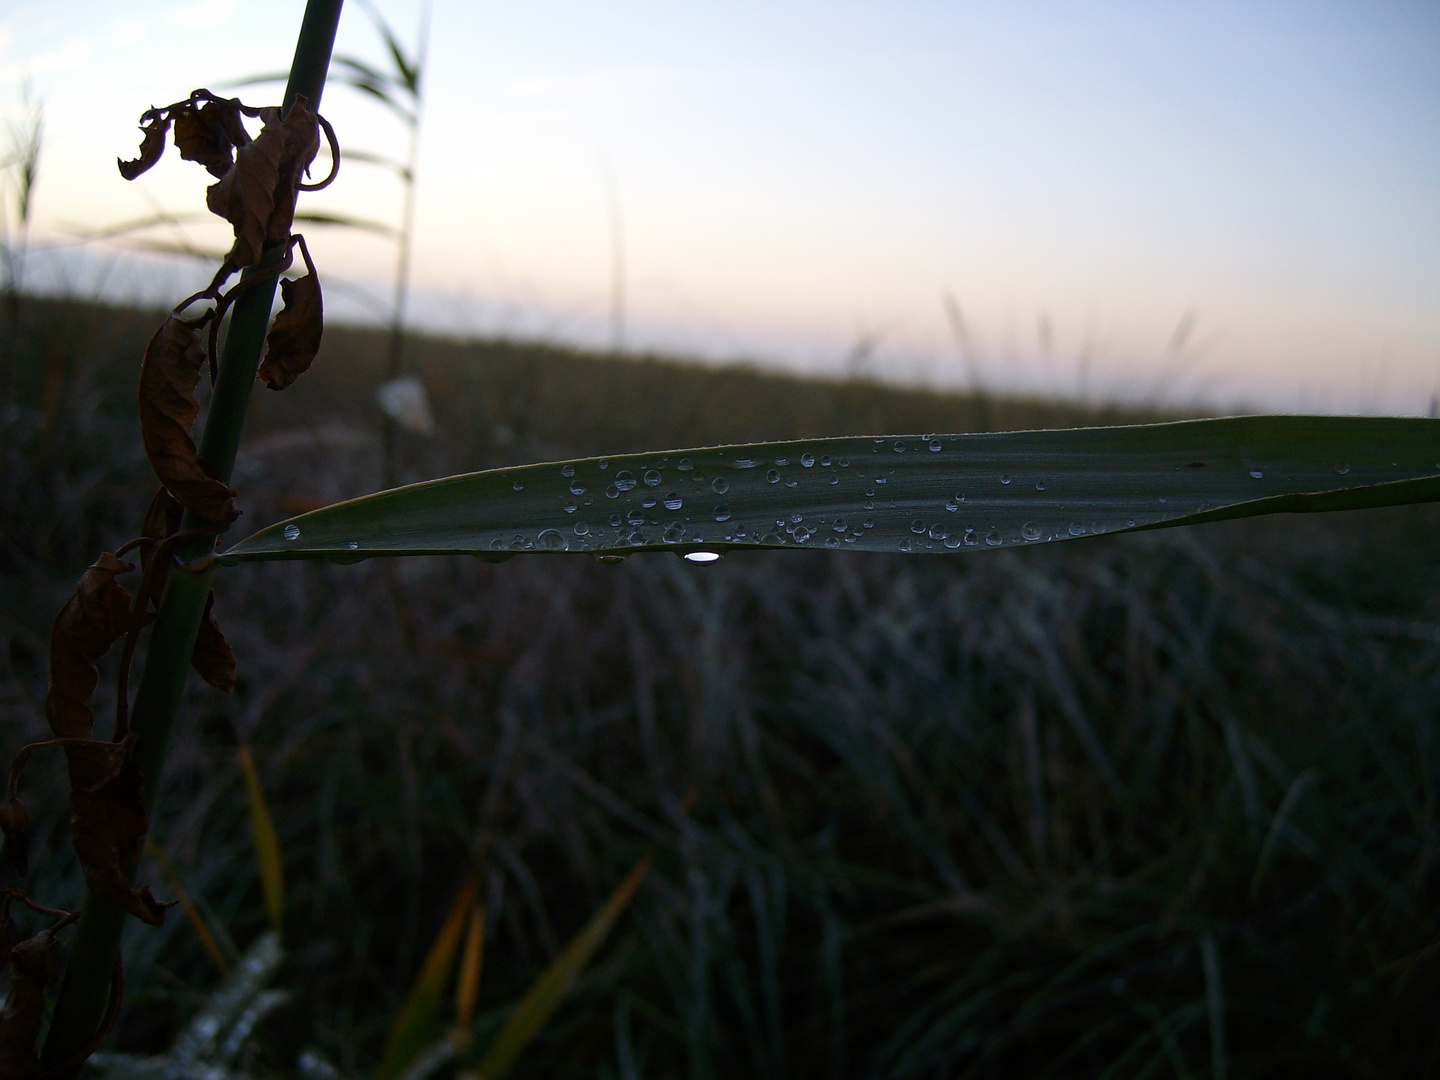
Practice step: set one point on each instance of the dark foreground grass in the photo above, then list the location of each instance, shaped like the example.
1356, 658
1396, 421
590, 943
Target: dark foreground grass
1159, 805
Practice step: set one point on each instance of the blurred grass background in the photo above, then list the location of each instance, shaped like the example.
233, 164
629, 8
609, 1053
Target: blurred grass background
1149, 805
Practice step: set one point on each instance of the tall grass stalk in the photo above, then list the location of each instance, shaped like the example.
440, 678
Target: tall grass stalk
85, 992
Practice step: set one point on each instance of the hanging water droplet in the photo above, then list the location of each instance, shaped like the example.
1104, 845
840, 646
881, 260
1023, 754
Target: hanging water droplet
518, 486
1030, 531
702, 557
807, 460
936, 446
719, 485
772, 476
722, 512
685, 464
624, 480
292, 532
567, 470
552, 540
673, 501
610, 557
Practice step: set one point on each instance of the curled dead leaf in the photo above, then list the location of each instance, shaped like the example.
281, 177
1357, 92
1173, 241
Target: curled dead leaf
155, 124
213, 658
168, 377
245, 195
108, 830
15, 824
210, 133
94, 618
294, 338
34, 964
301, 132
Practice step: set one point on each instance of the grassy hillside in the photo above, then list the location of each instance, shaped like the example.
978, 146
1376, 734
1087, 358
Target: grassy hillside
1152, 805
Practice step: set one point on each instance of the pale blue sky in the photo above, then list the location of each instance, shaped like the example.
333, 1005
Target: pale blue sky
798, 177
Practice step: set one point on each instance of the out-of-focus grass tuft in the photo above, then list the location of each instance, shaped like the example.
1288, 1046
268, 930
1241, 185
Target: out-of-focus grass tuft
1154, 805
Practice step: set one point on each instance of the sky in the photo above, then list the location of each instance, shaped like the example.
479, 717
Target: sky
1229, 204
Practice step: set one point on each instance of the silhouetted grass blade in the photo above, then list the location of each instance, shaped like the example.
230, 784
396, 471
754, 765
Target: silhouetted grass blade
910, 493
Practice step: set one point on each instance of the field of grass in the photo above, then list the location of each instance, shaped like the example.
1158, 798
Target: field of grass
1151, 805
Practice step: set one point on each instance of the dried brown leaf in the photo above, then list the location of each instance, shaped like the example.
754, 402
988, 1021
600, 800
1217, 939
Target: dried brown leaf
210, 133
213, 658
15, 824
151, 146
94, 618
35, 963
168, 377
294, 338
245, 196
302, 142
107, 793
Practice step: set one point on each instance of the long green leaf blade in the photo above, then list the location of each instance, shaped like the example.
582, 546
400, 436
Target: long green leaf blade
912, 494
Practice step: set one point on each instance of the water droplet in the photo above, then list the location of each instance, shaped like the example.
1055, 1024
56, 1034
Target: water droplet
801, 534
1076, 529
702, 557
1039, 485
648, 502
652, 477
994, 539
672, 534
1129, 523
953, 540
782, 461
832, 542
824, 461
936, 532
577, 488
685, 464
844, 463
840, 525
635, 517
879, 479
772, 538
797, 518
673, 501
581, 529
917, 526
792, 483
353, 545
624, 480
869, 523
635, 538
1257, 473
722, 512
773, 476
899, 447
497, 544
611, 491
744, 463
518, 486
905, 544
292, 532
807, 460
610, 557
1030, 531
567, 470
1005, 479
570, 508
936, 446
551, 540
614, 521
952, 506
605, 464
834, 480
1343, 467
720, 485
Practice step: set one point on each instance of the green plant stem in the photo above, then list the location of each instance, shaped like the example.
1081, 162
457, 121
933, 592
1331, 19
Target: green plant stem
85, 992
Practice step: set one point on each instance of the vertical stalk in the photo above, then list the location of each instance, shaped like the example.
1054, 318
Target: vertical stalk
85, 992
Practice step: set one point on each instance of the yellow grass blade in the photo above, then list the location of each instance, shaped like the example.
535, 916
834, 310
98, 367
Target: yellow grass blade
414, 1028
467, 983
267, 844
544, 997
202, 929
